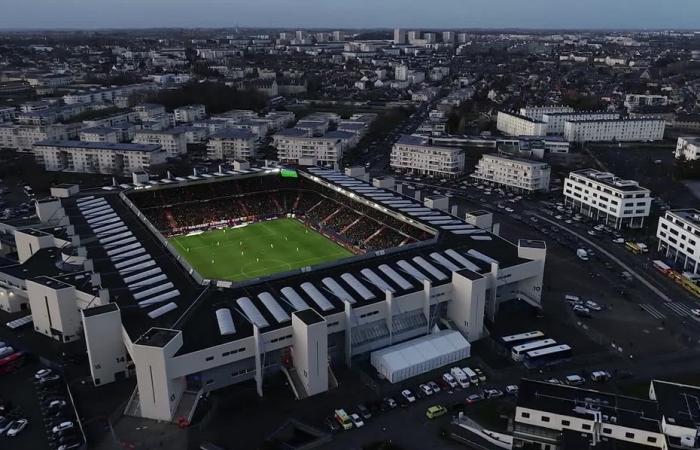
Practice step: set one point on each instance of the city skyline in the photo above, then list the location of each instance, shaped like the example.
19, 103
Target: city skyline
537, 14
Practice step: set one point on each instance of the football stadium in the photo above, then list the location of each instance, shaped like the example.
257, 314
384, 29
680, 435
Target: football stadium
192, 284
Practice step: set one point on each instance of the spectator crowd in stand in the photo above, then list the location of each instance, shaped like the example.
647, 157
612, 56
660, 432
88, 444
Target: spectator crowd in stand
200, 206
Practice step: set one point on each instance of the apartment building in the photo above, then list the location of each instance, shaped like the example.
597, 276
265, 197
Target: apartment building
634, 101
537, 112
621, 130
23, 137
518, 125
298, 146
519, 174
232, 144
415, 154
607, 198
556, 121
7, 114
189, 113
688, 147
99, 134
97, 157
173, 141
678, 233
106, 95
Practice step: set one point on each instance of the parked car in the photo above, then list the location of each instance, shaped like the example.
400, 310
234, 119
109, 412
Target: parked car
473, 398
42, 373
554, 381
5, 423
408, 395
17, 427
492, 393
364, 411
389, 402
695, 312
425, 389
574, 380
434, 386
590, 304
70, 445
331, 424
48, 379
512, 389
480, 374
357, 420
435, 411
449, 379
62, 427
600, 376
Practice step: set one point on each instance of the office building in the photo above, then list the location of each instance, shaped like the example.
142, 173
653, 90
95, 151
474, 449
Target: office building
604, 197
687, 147
620, 130
97, 157
518, 125
678, 233
232, 144
518, 174
415, 154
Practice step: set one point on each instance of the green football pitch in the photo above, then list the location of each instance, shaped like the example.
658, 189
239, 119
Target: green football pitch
257, 250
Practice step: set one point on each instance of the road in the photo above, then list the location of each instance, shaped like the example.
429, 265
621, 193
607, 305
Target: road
634, 273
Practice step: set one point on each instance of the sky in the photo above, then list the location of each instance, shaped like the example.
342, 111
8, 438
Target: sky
558, 14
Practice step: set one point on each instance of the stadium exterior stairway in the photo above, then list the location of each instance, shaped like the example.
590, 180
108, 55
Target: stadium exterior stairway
295, 383
186, 407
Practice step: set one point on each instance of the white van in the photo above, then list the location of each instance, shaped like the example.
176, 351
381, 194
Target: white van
460, 376
471, 375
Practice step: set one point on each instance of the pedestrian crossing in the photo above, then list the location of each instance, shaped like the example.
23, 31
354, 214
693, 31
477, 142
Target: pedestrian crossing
676, 308
653, 312
680, 309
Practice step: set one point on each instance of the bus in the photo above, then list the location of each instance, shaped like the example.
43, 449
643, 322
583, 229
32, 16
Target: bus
518, 352
633, 247
548, 354
517, 339
661, 266
343, 419
12, 362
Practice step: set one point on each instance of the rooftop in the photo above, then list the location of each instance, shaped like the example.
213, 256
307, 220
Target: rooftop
100, 145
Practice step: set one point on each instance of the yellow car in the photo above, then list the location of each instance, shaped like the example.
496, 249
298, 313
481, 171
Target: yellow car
435, 411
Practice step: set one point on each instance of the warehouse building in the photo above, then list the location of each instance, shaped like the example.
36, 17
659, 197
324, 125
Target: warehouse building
186, 335
607, 198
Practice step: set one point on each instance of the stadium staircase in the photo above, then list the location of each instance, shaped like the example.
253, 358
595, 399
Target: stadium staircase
373, 235
349, 226
295, 382
405, 241
314, 207
187, 406
333, 214
244, 208
296, 202
277, 204
171, 220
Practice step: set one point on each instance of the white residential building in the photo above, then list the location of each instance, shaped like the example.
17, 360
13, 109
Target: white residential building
232, 144
298, 146
536, 112
519, 174
173, 141
556, 416
606, 198
556, 121
678, 233
621, 130
97, 157
99, 134
688, 147
8, 114
399, 36
190, 113
634, 101
414, 154
518, 125
23, 137
401, 72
